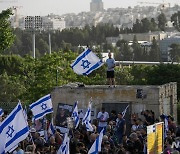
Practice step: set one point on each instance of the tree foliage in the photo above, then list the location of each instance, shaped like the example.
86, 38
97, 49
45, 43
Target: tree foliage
174, 52
67, 39
144, 26
155, 51
175, 18
28, 79
6, 34
162, 21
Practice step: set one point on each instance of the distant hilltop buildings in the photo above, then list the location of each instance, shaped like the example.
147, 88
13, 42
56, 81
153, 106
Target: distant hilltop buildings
119, 17
50, 22
96, 6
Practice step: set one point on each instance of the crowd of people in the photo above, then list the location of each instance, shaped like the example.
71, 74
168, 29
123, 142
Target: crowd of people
116, 140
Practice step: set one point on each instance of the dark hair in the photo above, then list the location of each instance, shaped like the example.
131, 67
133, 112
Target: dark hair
170, 141
120, 113
171, 118
80, 144
113, 111
139, 119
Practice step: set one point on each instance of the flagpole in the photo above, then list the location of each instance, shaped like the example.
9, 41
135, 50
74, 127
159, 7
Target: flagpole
27, 125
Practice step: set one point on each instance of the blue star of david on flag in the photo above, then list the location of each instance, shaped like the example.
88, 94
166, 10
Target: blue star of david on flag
86, 62
13, 130
44, 106
10, 131
41, 107
74, 114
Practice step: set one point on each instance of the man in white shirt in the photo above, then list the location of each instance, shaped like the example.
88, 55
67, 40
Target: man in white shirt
102, 117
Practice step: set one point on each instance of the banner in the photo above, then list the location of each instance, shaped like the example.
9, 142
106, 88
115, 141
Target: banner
63, 112
155, 137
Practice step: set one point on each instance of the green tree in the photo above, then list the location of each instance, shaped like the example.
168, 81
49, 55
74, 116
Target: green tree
174, 52
42, 46
154, 54
175, 18
146, 25
164, 73
6, 34
12, 88
162, 21
137, 26
154, 26
137, 49
126, 51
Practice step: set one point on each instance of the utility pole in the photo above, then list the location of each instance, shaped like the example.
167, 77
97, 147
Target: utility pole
34, 24
49, 43
49, 35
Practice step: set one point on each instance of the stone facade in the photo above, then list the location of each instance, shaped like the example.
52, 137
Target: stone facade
161, 99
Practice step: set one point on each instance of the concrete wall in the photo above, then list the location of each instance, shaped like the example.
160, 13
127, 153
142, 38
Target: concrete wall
143, 36
160, 99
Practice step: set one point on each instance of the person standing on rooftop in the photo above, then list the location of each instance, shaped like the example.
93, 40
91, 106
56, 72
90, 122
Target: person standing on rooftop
110, 62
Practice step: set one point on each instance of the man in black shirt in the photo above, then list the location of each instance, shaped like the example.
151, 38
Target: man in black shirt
120, 129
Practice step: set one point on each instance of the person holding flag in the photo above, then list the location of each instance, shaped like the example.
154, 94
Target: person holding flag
13, 129
120, 129
87, 119
102, 117
51, 129
96, 147
75, 115
64, 148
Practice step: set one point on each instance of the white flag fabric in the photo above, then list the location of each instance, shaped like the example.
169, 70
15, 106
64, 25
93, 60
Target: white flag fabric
51, 129
42, 107
1, 112
166, 125
64, 148
96, 147
87, 119
25, 113
13, 129
86, 62
124, 112
75, 115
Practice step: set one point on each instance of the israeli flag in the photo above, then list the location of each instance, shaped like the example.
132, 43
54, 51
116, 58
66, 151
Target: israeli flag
51, 129
13, 129
75, 115
124, 112
86, 62
64, 148
25, 113
96, 147
1, 112
87, 119
166, 125
42, 107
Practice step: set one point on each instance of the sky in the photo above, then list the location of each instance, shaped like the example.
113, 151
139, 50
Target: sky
45, 7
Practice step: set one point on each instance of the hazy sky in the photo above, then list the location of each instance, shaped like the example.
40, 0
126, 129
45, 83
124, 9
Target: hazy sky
44, 7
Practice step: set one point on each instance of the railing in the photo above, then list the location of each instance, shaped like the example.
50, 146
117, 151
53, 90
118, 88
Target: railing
142, 62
